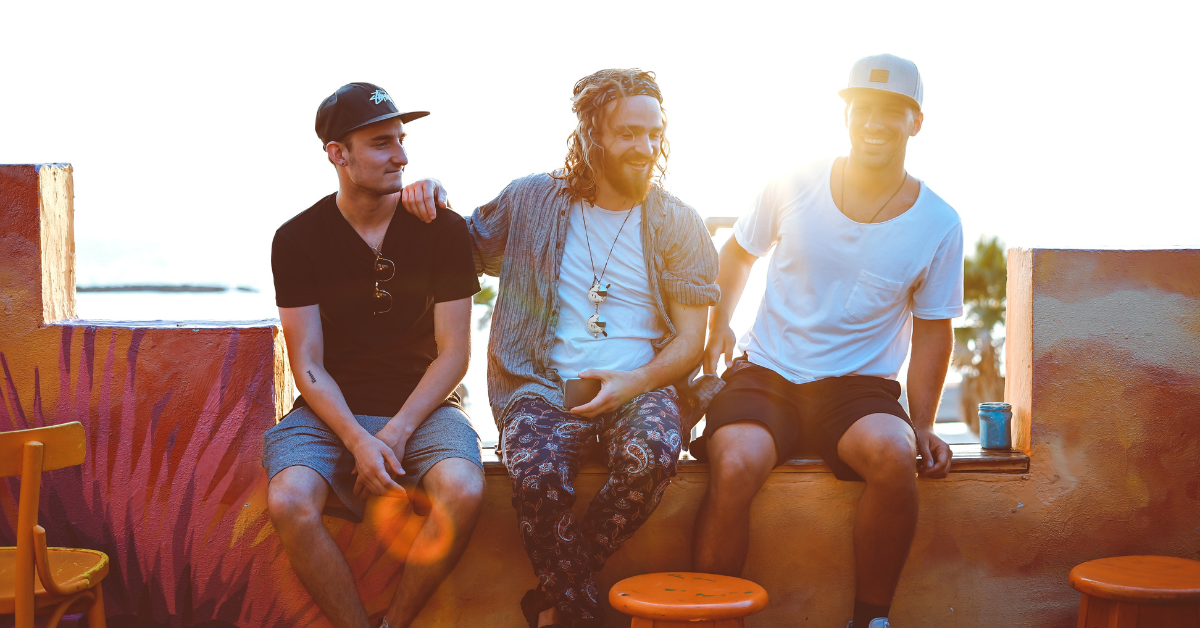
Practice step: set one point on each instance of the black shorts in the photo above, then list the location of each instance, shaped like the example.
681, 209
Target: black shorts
801, 418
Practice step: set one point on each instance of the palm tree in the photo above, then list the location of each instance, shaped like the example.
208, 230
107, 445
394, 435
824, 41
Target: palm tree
976, 352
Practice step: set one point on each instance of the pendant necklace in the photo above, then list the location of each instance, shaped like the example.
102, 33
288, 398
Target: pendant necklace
598, 293
885, 203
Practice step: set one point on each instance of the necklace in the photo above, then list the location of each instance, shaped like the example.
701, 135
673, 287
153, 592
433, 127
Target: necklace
885, 203
598, 293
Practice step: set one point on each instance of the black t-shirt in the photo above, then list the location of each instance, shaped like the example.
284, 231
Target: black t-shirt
376, 359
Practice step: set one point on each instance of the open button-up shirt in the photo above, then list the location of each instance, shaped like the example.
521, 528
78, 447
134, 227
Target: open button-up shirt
519, 237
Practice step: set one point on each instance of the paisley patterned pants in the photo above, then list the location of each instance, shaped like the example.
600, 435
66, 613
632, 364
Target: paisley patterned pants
543, 448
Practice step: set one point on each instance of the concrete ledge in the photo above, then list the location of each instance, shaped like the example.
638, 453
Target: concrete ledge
967, 459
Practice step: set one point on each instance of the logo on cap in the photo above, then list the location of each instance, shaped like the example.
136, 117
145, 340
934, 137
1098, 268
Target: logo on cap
380, 95
878, 76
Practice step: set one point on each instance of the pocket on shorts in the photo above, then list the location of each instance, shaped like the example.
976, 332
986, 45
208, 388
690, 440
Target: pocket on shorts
872, 297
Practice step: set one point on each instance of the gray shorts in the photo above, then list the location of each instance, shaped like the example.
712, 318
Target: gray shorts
303, 439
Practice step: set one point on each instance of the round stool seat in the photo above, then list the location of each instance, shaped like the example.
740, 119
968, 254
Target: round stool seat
687, 596
1139, 579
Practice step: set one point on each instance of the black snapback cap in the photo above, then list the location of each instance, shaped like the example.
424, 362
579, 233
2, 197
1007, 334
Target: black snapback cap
355, 105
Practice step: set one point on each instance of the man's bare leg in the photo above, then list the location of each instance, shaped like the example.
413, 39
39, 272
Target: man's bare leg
741, 456
883, 449
455, 488
295, 499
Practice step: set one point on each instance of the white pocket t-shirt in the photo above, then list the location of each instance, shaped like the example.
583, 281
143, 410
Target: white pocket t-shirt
841, 294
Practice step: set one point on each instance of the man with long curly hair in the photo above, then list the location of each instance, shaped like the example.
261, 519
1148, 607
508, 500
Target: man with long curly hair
604, 277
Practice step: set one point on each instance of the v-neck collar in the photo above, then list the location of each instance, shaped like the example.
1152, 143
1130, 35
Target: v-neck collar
349, 231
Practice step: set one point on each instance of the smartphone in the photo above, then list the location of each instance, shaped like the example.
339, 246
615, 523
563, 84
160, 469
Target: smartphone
580, 391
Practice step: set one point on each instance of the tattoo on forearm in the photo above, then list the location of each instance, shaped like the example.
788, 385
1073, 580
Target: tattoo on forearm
312, 377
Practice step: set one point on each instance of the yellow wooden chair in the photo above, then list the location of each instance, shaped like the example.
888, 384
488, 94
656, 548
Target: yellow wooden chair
66, 579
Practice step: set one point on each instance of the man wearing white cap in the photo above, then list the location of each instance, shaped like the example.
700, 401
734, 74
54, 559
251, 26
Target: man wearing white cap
865, 257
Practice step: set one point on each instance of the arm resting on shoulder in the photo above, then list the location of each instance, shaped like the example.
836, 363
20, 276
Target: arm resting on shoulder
674, 361
306, 354
488, 224
932, 345
452, 331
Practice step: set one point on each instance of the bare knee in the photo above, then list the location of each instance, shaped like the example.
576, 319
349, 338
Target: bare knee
295, 496
735, 475
456, 485
891, 462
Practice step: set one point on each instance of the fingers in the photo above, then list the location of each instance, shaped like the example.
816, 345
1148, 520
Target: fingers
603, 402
942, 455
419, 199
926, 458
937, 455
389, 458
711, 354
429, 200
443, 199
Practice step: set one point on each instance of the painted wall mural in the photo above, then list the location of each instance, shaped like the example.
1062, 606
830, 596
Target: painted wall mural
172, 488
1103, 371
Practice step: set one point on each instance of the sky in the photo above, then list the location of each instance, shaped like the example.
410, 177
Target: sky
190, 125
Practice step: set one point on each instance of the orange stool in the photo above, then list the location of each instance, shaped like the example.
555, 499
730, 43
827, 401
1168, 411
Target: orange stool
682, 599
1138, 592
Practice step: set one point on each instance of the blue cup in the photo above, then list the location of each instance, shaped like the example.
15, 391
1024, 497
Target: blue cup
995, 425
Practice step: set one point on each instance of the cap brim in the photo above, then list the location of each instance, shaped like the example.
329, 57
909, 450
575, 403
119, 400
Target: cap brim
849, 93
405, 117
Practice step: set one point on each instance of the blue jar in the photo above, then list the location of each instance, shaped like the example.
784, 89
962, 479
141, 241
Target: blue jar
995, 425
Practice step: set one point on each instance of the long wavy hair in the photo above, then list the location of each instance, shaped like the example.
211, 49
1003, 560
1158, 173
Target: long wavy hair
585, 154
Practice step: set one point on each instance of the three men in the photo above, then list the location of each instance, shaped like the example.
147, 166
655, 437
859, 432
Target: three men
865, 256
376, 310
603, 276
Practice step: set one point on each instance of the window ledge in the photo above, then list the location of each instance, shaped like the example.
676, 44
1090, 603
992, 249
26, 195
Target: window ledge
967, 459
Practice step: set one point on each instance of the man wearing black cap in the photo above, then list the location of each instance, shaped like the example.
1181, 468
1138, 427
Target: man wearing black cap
864, 257
376, 310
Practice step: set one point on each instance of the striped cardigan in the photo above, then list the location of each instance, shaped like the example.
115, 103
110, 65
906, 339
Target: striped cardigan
519, 237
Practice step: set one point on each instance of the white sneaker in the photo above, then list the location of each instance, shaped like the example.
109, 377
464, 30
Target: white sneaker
878, 622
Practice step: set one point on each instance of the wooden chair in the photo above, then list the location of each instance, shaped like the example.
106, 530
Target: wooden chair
66, 579
682, 599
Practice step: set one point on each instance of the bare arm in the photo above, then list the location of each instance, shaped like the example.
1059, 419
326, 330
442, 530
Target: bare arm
675, 360
452, 332
736, 263
306, 353
932, 345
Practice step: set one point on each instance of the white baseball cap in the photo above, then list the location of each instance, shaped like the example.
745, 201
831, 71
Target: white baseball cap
887, 73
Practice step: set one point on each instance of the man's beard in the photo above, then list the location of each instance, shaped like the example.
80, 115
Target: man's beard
628, 184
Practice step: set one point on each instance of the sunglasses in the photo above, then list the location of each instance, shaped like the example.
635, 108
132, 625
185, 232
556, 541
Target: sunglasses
381, 301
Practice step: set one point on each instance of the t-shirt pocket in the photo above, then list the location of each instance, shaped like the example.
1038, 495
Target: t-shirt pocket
872, 297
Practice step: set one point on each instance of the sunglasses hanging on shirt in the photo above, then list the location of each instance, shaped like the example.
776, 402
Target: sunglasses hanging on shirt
381, 300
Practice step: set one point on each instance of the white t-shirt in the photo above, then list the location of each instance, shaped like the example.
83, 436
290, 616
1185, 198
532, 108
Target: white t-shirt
840, 294
633, 320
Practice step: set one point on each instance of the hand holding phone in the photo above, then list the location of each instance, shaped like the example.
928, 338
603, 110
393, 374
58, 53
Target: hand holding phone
581, 391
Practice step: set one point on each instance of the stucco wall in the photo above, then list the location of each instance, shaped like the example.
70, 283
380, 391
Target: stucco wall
1103, 367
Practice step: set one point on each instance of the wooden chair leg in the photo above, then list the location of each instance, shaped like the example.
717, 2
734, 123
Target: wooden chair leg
61, 608
95, 613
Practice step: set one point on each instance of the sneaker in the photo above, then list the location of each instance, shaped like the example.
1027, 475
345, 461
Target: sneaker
878, 622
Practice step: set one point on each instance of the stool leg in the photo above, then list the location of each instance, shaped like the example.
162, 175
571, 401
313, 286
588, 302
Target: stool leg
1083, 610
1125, 615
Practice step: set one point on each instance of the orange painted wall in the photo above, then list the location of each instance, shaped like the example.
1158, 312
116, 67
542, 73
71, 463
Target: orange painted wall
1103, 368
